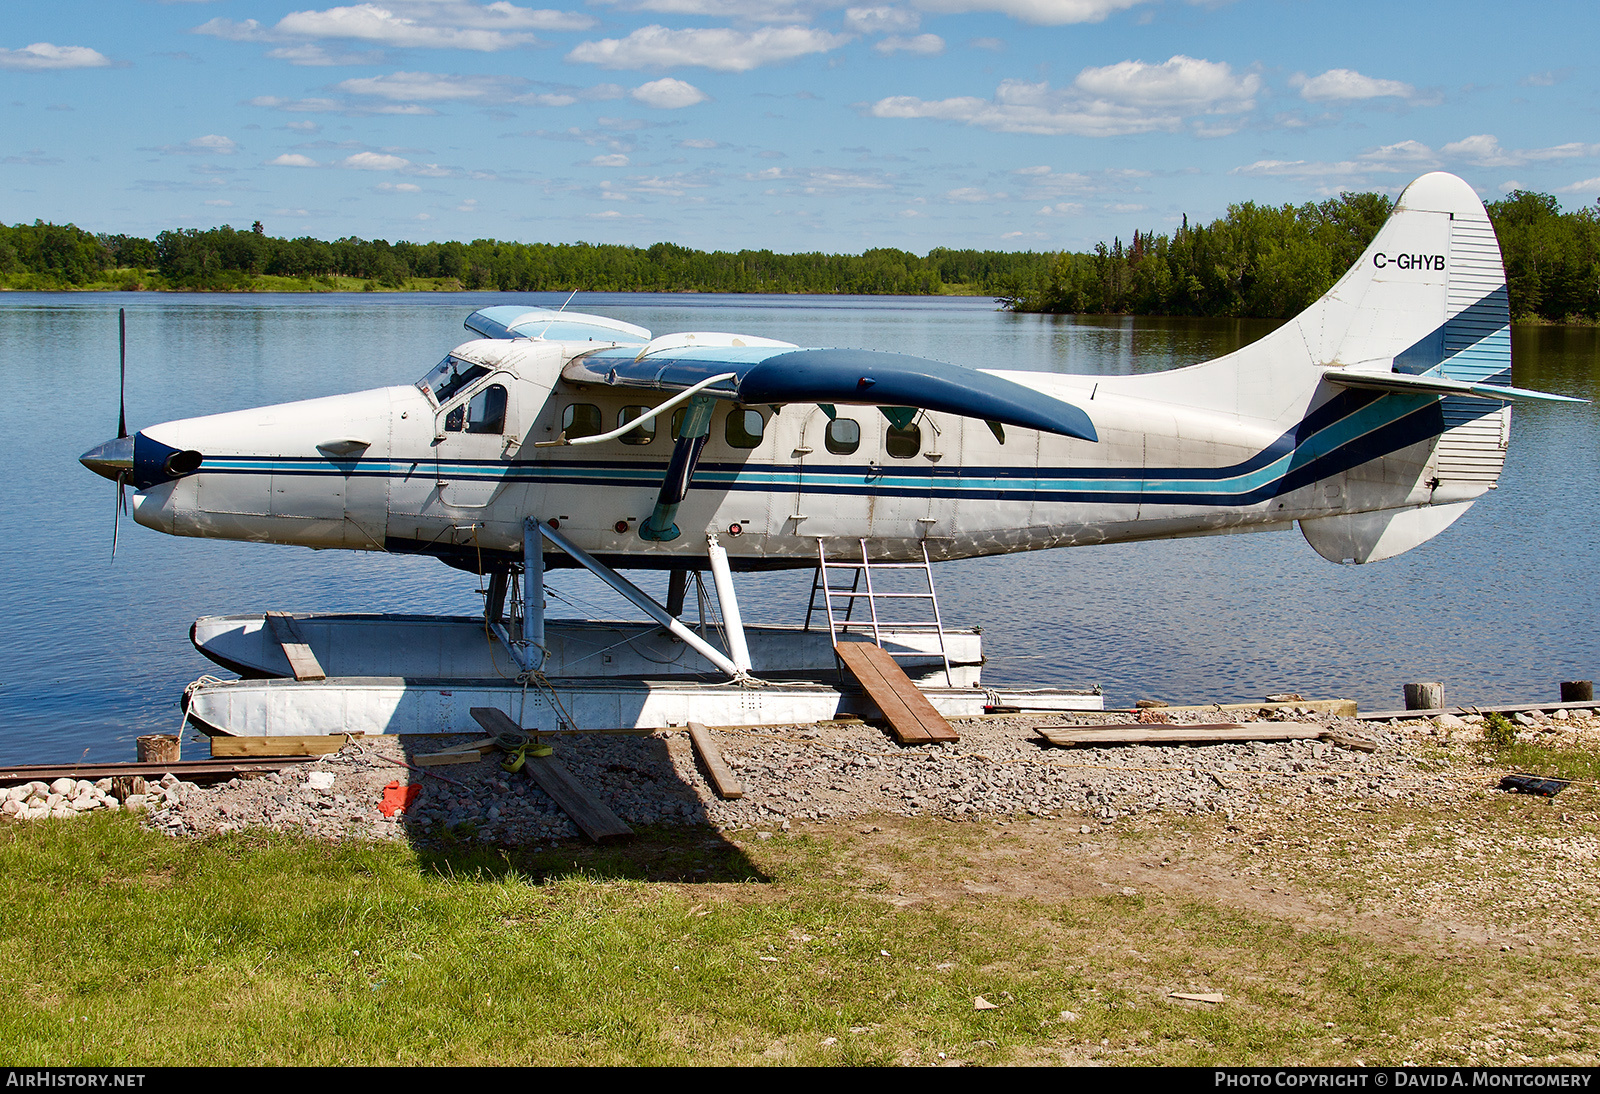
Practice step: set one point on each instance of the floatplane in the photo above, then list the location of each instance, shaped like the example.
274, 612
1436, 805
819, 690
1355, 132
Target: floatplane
1373, 421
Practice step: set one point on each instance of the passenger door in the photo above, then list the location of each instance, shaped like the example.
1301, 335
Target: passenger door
470, 442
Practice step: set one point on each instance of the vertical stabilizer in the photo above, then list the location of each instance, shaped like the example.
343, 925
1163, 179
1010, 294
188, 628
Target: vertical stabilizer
1427, 299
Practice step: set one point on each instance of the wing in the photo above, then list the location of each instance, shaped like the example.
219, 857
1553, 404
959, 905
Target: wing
777, 373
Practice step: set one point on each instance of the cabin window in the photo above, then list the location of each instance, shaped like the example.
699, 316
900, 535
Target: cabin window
486, 411
902, 444
448, 377
580, 420
744, 428
843, 437
643, 433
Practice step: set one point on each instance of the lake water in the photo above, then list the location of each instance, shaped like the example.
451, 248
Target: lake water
1501, 606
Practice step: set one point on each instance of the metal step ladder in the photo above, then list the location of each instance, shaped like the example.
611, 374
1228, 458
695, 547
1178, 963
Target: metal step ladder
886, 611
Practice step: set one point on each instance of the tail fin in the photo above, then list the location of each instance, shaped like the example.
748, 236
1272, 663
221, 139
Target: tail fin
1423, 312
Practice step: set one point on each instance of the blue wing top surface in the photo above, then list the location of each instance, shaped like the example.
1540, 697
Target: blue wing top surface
765, 374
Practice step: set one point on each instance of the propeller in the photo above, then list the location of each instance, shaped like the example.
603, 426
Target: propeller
114, 458
122, 426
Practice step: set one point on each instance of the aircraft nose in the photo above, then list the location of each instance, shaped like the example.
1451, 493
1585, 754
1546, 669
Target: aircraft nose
112, 460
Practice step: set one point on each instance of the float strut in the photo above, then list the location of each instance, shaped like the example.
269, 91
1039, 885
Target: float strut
641, 600
527, 649
728, 603
677, 586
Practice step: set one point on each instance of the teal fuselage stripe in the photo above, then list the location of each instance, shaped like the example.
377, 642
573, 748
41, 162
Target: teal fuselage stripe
1351, 429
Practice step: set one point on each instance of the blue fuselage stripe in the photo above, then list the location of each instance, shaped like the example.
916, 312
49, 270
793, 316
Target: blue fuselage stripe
1351, 429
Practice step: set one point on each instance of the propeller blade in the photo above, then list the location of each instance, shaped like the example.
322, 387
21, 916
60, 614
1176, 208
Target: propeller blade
122, 385
118, 509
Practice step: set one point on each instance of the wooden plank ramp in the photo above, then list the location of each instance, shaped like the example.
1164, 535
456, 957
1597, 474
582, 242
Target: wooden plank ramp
592, 816
721, 776
228, 747
912, 719
302, 661
1199, 734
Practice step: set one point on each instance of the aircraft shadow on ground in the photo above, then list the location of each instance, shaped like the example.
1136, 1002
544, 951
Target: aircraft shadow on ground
463, 843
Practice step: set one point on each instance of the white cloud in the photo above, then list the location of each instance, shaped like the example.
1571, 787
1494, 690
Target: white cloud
750, 11
375, 161
927, 45
336, 106
973, 195
221, 203
1041, 12
42, 55
293, 159
1347, 85
398, 188
1587, 186
669, 94
721, 49
209, 145
407, 24
313, 55
699, 142
1130, 97
1403, 157
422, 86
1181, 82
823, 180
1484, 150
615, 159
880, 20
991, 45
387, 161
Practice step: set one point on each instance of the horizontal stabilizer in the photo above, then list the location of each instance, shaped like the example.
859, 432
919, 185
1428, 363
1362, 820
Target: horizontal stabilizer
1436, 385
768, 374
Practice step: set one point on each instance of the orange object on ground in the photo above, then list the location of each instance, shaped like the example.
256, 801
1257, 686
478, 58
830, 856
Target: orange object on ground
397, 797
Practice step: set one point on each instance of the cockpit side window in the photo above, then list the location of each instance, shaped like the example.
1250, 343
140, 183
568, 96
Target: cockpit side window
448, 377
486, 411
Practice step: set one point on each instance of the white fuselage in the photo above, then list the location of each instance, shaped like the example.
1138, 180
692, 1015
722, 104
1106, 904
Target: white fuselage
380, 470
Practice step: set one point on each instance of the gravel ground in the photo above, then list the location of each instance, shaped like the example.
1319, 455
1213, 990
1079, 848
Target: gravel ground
1000, 767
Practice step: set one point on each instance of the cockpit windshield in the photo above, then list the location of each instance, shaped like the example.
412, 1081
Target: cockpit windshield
448, 377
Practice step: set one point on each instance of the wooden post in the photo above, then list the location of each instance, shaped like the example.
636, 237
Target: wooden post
1577, 691
1424, 696
124, 786
158, 748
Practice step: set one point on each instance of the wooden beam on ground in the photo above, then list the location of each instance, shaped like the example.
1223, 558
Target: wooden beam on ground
225, 747
588, 812
1214, 733
722, 778
302, 661
912, 719
1496, 708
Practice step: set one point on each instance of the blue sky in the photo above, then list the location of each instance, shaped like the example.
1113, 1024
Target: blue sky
794, 125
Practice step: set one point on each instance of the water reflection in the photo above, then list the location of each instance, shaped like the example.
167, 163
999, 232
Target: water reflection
1499, 606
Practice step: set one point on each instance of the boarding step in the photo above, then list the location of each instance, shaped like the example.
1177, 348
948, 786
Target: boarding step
911, 718
886, 608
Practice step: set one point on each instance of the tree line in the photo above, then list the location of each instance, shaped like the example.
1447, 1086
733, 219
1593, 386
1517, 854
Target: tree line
48, 256
1270, 262
1257, 260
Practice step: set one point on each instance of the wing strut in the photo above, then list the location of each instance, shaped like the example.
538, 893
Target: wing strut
659, 526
